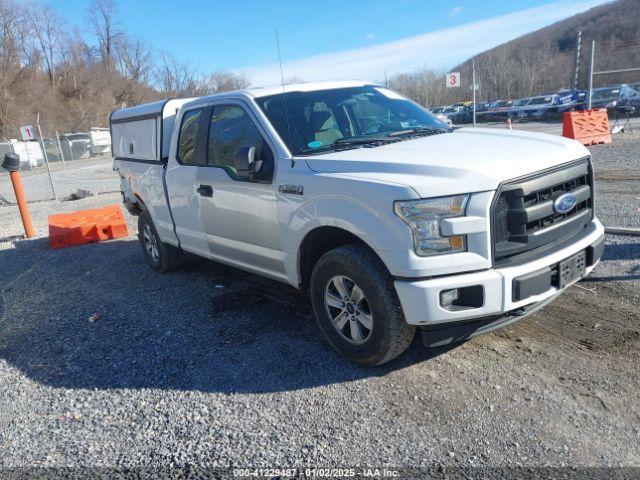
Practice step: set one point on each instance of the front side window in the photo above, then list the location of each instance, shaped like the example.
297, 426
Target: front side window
188, 140
324, 120
232, 134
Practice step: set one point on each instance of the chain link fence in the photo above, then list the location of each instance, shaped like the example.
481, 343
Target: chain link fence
615, 81
40, 180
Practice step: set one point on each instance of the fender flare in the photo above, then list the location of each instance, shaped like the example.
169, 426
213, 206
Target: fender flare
355, 218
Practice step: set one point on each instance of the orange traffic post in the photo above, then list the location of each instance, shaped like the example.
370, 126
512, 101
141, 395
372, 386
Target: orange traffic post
11, 163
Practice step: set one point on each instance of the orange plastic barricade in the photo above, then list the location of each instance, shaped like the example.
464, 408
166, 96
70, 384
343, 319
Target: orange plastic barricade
589, 127
86, 226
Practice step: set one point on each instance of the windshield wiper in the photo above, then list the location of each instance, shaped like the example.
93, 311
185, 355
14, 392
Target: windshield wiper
420, 131
349, 143
360, 140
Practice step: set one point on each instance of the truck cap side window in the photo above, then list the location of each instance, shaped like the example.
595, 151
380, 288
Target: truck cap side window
232, 133
188, 140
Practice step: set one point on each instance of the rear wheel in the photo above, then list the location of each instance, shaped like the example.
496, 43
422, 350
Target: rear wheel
356, 306
161, 256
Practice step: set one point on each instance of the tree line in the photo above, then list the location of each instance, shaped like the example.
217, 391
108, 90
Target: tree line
75, 77
542, 61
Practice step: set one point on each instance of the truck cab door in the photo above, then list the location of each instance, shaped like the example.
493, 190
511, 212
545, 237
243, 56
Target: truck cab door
182, 169
223, 206
237, 199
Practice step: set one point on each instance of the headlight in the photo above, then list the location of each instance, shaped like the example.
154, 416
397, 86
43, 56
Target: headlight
423, 217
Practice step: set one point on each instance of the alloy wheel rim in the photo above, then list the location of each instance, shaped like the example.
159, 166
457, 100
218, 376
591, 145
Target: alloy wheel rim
348, 309
150, 243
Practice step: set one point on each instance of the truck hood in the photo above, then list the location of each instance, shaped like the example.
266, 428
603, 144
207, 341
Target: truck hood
465, 160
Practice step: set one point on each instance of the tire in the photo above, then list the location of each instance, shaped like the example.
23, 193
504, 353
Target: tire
380, 308
160, 256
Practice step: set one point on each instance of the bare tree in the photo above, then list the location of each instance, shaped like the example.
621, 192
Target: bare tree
102, 16
224, 82
12, 62
134, 63
46, 27
176, 78
134, 59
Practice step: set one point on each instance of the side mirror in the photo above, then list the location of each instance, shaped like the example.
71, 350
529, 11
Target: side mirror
245, 162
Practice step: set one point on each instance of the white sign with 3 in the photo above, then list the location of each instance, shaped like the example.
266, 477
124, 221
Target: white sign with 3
453, 79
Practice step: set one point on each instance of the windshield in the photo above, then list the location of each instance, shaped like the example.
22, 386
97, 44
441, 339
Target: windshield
327, 120
608, 94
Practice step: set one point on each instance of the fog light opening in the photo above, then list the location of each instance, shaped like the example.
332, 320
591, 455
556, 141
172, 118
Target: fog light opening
462, 298
447, 297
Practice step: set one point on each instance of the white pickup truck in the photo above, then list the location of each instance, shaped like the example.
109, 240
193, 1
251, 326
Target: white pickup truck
391, 220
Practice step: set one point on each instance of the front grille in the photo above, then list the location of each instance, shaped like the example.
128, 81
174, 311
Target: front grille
524, 219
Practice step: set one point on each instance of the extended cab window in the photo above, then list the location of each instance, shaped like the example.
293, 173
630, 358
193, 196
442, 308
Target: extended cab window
188, 140
231, 135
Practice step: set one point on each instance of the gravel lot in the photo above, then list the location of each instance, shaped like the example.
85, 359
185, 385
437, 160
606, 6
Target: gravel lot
212, 366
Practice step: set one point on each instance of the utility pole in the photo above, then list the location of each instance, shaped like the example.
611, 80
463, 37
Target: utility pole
473, 75
593, 53
578, 52
46, 158
64, 164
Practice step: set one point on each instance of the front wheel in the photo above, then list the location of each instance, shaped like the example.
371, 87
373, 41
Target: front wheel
356, 306
160, 256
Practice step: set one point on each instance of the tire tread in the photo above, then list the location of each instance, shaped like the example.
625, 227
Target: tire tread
360, 256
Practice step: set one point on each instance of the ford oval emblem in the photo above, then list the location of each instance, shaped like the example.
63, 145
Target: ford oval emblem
564, 203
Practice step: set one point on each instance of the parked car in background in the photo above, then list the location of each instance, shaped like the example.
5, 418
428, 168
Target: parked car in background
458, 114
605, 97
501, 110
75, 145
30, 153
100, 141
543, 107
613, 97
631, 100
482, 111
437, 111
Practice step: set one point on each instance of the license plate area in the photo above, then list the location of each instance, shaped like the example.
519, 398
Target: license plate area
571, 269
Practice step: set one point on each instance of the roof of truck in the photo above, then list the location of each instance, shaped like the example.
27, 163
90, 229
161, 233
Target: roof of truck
258, 92
156, 108
145, 109
302, 87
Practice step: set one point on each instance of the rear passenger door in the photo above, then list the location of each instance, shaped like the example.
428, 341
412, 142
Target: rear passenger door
237, 206
182, 171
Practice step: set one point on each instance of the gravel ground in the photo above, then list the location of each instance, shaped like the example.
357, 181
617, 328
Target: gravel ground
617, 168
212, 366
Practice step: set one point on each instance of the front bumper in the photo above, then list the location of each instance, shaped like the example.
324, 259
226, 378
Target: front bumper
420, 299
